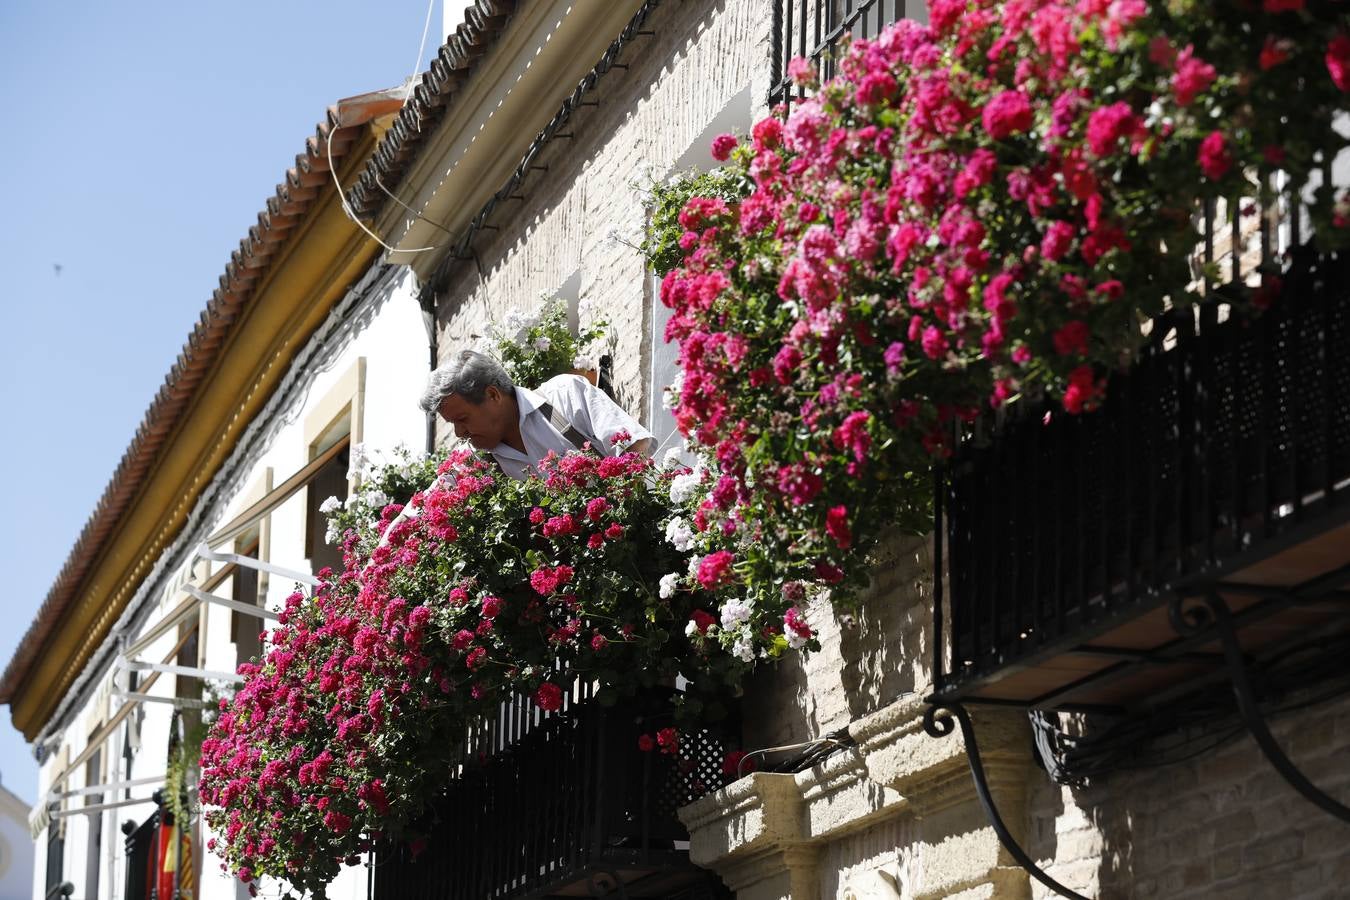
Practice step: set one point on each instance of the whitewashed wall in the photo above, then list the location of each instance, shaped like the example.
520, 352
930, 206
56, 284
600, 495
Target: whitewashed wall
386, 331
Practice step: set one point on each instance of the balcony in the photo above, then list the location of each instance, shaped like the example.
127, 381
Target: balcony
1219, 467
812, 29
563, 805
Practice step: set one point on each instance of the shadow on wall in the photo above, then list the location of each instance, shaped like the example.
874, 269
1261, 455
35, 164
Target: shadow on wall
866, 661
1220, 824
580, 209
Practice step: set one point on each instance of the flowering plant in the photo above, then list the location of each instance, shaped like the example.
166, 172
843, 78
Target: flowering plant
534, 349
393, 480
494, 587
973, 210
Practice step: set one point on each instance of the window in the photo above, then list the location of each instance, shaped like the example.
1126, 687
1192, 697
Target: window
337, 418
331, 481
735, 116
56, 856
93, 774
186, 686
245, 629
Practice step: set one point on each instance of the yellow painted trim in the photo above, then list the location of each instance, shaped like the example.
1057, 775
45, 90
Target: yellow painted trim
321, 260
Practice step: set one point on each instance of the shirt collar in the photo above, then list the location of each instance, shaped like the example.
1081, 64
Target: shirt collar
527, 402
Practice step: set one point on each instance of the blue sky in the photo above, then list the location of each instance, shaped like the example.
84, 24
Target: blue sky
142, 140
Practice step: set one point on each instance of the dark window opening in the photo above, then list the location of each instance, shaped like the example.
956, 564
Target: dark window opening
93, 774
245, 629
56, 857
331, 481
186, 686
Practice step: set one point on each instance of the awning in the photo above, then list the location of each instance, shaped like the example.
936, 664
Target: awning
194, 596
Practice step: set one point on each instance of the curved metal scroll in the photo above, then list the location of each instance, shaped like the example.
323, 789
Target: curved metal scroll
1214, 613
937, 722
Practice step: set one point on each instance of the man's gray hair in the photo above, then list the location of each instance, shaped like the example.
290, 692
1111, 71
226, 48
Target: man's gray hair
469, 375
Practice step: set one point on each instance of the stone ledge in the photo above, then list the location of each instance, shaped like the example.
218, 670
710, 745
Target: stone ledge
764, 833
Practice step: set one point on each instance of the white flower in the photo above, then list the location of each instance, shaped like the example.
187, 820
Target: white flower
515, 322
743, 649
670, 395
542, 343
682, 487
330, 506
586, 363
669, 584
330, 536
693, 565
691, 628
680, 534
672, 458
588, 311
358, 461
377, 498
795, 640
736, 612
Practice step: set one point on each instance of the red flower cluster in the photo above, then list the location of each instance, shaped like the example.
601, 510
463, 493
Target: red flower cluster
344, 726
970, 211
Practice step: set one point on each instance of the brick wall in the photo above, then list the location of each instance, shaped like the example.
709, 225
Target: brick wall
1220, 825
867, 660
585, 213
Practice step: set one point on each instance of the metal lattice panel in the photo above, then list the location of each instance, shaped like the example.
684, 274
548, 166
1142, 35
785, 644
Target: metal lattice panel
1226, 443
567, 802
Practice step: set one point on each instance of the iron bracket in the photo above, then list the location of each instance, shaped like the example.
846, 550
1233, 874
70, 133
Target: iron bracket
1213, 613
937, 722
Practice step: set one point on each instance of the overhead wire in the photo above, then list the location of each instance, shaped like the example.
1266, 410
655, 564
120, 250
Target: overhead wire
337, 183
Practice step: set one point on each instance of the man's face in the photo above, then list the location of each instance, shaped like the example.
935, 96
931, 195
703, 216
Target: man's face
481, 424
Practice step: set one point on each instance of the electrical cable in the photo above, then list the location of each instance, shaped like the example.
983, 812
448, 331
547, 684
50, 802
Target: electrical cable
351, 213
421, 48
332, 167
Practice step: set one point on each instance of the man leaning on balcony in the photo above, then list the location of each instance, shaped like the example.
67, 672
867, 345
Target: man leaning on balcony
519, 426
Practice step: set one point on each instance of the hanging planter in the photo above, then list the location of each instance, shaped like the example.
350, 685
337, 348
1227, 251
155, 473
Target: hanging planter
497, 591
973, 211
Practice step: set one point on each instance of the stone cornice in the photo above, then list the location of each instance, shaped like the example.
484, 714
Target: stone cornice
764, 833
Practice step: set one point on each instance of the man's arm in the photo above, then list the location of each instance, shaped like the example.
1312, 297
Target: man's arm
595, 413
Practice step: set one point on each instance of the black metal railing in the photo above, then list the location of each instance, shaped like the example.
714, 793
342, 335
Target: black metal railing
812, 29
544, 805
141, 841
1228, 441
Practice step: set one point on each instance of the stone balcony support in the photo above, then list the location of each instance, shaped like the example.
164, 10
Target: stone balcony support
766, 833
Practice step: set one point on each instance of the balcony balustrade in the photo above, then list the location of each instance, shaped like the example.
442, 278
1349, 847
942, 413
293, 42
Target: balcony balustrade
1219, 464
561, 805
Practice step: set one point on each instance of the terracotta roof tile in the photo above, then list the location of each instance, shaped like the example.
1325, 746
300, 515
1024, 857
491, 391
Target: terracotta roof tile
483, 24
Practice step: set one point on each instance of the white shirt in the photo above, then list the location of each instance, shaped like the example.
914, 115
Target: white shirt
589, 409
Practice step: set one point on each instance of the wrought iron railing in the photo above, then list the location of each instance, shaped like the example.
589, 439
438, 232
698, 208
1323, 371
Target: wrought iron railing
563, 804
141, 841
813, 28
1227, 442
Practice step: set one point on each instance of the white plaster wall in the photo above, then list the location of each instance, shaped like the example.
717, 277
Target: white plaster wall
393, 344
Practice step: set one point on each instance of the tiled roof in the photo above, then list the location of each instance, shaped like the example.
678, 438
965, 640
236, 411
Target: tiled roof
247, 266
483, 22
